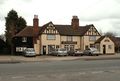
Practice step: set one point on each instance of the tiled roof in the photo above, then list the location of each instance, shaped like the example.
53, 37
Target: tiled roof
68, 30
116, 40
100, 39
62, 29
26, 32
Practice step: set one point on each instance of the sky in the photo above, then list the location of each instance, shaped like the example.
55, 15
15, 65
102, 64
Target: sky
104, 14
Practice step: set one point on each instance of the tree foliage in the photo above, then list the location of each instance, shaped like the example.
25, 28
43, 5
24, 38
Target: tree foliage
110, 34
11, 23
21, 24
14, 25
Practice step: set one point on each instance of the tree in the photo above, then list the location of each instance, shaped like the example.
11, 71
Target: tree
14, 25
100, 32
2, 36
11, 23
21, 24
110, 34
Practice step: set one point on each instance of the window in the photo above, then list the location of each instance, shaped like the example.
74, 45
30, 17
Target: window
92, 38
92, 46
20, 49
57, 46
24, 39
86, 47
107, 40
98, 47
71, 47
66, 47
109, 46
51, 37
69, 38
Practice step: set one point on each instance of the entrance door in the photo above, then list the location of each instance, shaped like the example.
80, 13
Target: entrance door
44, 50
104, 49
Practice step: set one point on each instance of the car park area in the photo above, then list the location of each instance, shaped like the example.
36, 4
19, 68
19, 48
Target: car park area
77, 52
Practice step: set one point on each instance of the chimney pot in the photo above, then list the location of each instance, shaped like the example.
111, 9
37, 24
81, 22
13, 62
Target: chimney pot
75, 22
36, 16
75, 17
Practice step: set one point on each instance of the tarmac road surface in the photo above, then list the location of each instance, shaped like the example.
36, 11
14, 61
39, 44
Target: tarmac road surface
75, 70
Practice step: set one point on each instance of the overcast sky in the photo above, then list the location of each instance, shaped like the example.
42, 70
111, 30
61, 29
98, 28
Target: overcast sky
104, 14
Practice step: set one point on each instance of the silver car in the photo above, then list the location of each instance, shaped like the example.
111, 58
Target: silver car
91, 52
29, 52
59, 52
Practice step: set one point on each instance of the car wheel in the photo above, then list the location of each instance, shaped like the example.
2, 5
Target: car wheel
97, 55
90, 54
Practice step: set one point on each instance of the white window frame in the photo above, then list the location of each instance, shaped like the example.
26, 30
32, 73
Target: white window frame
20, 49
69, 38
51, 37
92, 38
24, 39
109, 46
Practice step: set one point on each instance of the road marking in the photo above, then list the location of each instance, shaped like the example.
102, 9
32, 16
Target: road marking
97, 72
17, 77
82, 73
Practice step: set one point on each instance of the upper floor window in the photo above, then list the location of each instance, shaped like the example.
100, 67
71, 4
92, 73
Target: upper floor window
92, 38
24, 39
51, 37
69, 38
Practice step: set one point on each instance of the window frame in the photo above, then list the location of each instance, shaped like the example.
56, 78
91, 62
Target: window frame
109, 46
92, 38
51, 35
24, 39
69, 38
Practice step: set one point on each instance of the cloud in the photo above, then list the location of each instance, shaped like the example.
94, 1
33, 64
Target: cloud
106, 9
104, 14
2, 1
26, 0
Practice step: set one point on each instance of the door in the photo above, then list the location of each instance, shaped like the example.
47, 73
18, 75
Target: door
104, 49
44, 50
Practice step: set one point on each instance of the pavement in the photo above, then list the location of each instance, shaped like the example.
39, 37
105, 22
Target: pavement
18, 59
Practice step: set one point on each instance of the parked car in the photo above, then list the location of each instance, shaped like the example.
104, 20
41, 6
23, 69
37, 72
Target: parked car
75, 53
91, 52
29, 52
59, 52
78, 53
71, 52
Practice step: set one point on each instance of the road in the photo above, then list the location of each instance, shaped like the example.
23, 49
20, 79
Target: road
76, 70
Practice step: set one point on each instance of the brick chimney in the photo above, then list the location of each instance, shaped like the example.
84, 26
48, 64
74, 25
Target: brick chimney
35, 27
75, 23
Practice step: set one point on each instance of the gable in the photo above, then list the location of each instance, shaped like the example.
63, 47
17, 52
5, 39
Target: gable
92, 31
50, 29
107, 40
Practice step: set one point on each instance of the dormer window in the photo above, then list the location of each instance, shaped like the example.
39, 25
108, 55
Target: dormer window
24, 39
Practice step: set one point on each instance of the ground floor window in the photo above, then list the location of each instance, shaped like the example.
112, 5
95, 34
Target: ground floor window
92, 46
52, 48
57, 46
69, 47
86, 47
97, 46
109, 46
20, 49
66, 47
